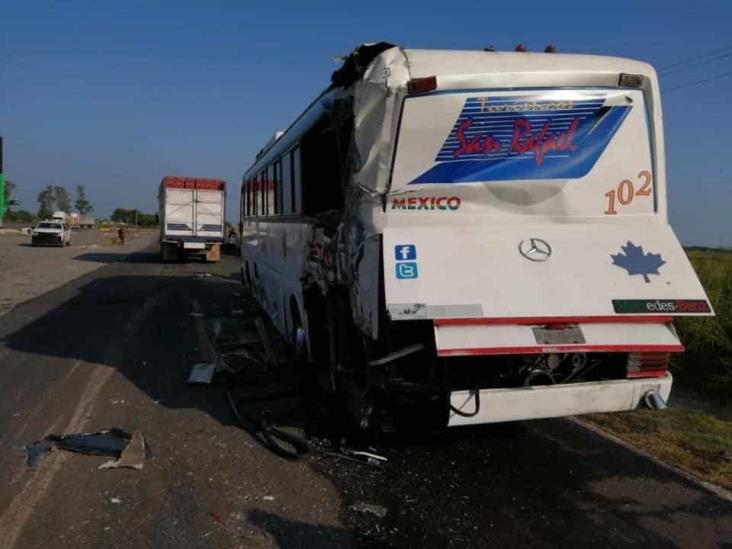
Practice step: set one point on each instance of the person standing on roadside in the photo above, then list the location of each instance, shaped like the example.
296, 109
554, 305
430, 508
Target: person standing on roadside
121, 236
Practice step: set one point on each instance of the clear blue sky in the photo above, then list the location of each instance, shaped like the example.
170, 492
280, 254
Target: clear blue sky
114, 94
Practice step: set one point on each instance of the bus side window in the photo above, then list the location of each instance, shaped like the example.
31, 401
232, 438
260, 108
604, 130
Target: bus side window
255, 196
271, 196
249, 198
323, 160
263, 193
296, 181
243, 201
286, 184
278, 187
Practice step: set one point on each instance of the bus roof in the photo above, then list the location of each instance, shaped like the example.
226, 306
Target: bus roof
424, 63
378, 74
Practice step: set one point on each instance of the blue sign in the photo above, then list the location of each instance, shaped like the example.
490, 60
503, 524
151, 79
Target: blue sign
405, 252
407, 269
503, 138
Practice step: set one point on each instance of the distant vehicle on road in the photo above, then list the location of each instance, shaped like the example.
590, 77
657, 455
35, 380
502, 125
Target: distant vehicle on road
76, 220
191, 217
484, 233
51, 233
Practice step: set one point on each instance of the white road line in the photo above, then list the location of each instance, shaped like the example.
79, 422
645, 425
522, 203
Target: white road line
17, 514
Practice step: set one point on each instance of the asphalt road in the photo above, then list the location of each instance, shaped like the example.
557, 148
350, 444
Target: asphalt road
114, 347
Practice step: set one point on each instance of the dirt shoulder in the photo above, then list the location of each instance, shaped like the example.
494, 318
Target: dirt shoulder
27, 272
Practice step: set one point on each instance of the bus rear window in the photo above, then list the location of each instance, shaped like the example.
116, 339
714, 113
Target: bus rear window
545, 152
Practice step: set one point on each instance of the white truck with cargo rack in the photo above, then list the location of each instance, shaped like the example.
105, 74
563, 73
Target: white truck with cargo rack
191, 217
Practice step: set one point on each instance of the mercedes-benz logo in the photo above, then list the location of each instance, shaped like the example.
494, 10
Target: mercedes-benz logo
535, 249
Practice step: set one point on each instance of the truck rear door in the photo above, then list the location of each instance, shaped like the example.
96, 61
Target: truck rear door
209, 214
179, 209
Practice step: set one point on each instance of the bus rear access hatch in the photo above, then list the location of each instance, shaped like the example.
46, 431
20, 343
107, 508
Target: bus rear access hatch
489, 289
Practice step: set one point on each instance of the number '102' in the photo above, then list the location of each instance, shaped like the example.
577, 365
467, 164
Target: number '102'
625, 192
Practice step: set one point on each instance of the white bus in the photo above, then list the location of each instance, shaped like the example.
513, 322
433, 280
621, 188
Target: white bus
482, 233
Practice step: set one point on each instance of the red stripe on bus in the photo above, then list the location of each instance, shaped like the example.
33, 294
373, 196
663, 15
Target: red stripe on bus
646, 373
524, 320
538, 349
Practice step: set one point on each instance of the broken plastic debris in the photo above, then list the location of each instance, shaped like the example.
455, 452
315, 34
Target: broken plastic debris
366, 457
202, 373
115, 500
133, 456
107, 442
376, 510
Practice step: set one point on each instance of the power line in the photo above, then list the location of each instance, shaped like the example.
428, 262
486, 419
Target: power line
697, 82
695, 58
691, 66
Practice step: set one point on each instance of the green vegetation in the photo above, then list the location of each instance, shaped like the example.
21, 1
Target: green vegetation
20, 216
83, 206
133, 217
698, 441
707, 363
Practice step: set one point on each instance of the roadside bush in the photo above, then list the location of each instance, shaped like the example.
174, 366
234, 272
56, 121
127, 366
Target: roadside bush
20, 216
707, 363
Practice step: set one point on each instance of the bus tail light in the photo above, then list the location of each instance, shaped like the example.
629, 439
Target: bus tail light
647, 365
422, 85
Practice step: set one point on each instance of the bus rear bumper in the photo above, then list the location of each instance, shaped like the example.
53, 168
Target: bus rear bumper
546, 401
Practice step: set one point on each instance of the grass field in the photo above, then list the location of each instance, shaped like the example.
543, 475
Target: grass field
699, 440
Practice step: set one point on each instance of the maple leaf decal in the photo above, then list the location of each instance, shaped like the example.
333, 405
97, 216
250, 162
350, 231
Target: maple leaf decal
636, 262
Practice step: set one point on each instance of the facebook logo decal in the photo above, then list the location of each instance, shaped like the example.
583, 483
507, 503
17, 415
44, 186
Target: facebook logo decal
407, 270
405, 252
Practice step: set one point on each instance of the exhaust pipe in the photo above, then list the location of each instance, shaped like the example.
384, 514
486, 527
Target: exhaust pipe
654, 401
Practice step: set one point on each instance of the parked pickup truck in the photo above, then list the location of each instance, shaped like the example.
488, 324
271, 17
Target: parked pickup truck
51, 233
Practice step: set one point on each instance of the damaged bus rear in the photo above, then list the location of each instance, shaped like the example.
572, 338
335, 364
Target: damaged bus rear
479, 235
